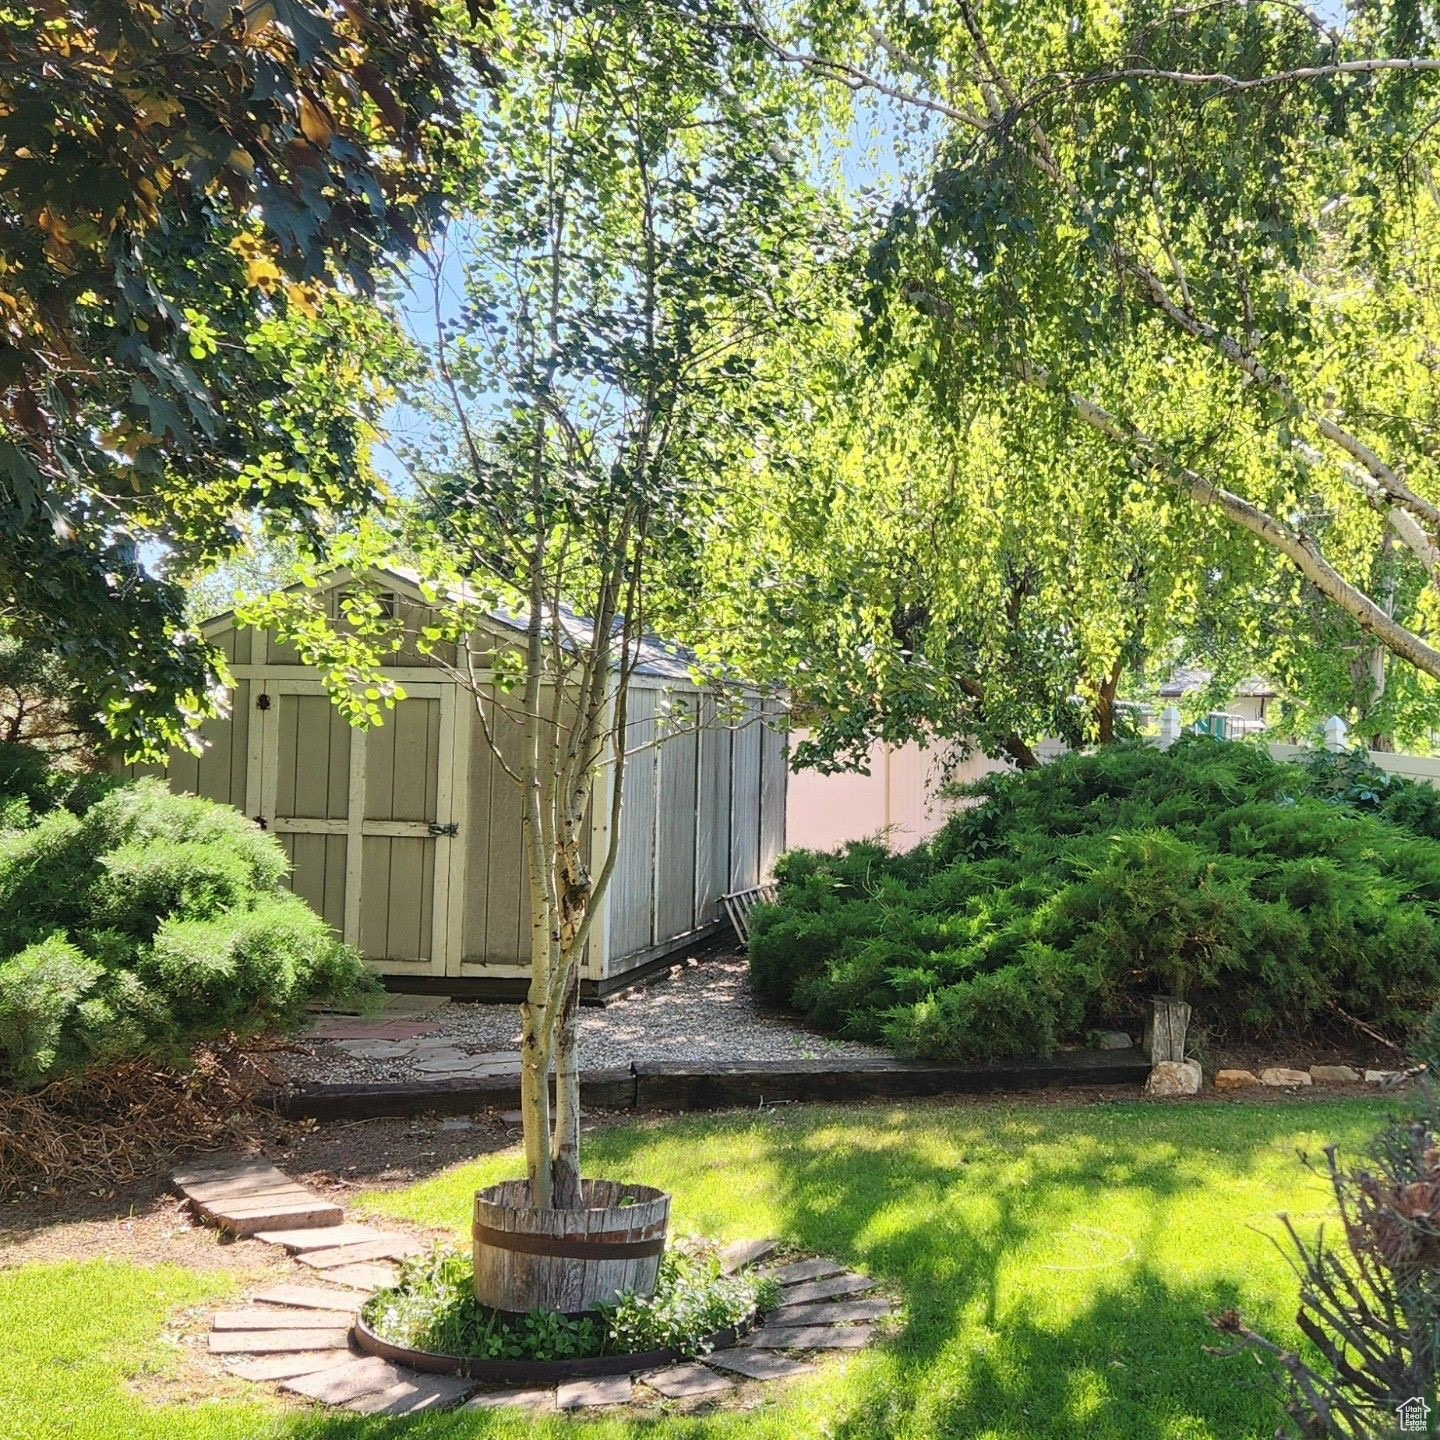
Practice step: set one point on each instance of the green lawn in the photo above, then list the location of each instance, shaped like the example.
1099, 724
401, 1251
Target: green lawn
1057, 1267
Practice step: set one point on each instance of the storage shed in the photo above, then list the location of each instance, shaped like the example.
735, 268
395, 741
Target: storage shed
407, 837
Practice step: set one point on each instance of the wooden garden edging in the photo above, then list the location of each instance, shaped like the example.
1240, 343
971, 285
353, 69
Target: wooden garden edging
717, 1086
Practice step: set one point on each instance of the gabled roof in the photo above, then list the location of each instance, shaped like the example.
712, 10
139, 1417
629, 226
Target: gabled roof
1185, 679
661, 659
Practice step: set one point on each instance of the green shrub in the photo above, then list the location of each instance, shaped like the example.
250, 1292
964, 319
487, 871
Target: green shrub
1270, 895
143, 922
41, 989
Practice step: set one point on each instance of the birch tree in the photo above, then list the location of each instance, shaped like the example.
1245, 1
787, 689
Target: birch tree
637, 229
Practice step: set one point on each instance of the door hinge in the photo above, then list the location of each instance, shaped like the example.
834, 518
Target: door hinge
436, 828
262, 701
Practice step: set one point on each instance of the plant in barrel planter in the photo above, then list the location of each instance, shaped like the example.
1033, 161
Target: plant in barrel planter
628, 225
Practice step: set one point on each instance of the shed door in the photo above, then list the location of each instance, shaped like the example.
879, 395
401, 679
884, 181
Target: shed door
364, 817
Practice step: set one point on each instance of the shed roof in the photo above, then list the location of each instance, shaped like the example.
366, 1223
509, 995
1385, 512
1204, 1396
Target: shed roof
657, 657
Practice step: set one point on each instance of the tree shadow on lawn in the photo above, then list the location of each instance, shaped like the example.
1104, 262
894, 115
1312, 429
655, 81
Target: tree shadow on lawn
1057, 1269
963, 1224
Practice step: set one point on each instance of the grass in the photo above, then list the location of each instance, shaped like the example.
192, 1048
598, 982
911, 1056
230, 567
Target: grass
1057, 1267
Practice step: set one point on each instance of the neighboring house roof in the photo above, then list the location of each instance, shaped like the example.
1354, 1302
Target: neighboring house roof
1186, 679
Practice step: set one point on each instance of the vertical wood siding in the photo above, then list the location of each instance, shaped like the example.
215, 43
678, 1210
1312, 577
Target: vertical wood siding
318, 876
633, 909
675, 836
402, 774
496, 899
221, 772
745, 799
313, 759
703, 813
773, 782
712, 817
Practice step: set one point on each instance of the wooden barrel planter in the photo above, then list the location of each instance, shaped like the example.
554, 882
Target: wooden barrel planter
567, 1260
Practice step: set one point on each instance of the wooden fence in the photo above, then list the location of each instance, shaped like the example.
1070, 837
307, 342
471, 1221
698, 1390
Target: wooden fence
897, 799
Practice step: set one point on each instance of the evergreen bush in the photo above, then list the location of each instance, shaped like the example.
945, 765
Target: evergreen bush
1272, 896
134, 921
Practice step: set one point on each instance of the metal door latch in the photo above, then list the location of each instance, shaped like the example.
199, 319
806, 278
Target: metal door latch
261, 821
435, 828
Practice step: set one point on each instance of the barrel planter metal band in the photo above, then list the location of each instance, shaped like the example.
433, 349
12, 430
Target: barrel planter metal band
570, 1247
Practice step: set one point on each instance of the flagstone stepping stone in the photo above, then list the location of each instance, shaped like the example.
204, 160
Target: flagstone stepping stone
812, 1337
688, 1382
834, 1289
607, 1390
801, 1270
244, 1197
249, 1220
376, 1049
282, 1367
299, 1335
255, 1203
843, 1313
353, 1028
277, 1342
412, 1395
371, 1277
257, 1178
348, 1380
442, 1064
236, 1167
312, 1297
743, 1254
491, 1065
758, 1364
263, 1317
296, 1240
508, 1399
387, 1247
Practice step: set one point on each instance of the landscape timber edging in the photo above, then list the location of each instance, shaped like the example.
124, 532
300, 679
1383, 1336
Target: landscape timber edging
535, 1372
718, 1086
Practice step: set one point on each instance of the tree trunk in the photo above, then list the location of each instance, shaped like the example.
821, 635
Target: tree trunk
1105, 694
566, 1143
535, 1101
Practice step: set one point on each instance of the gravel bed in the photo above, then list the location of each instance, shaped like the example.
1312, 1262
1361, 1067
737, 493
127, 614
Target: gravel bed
698, 1010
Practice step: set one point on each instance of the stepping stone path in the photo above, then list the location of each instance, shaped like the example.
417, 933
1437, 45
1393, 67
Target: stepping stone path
388, 1037
297, 1334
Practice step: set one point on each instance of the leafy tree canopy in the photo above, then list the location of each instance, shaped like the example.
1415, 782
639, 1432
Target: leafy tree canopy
196, 200
1186, 259
635, 231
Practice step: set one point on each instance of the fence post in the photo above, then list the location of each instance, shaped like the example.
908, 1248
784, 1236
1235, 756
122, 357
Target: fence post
1336, 731
1169, 727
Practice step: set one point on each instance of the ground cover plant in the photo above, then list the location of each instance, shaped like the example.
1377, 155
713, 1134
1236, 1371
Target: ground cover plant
433, 1307
1272, 896
135, 921
1058, 1267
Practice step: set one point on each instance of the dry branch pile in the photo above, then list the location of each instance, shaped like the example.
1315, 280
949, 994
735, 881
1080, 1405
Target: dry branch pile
108, 1125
